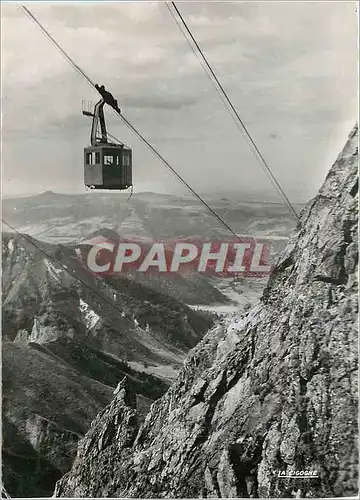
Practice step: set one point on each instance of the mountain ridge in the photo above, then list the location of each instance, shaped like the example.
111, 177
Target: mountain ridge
68, 339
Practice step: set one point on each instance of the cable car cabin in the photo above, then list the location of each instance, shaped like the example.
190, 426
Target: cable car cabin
107, 165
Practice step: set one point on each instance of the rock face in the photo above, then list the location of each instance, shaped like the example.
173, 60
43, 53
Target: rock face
273, 390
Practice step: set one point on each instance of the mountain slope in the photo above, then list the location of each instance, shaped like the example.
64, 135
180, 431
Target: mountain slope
47, 407
51, 393
193, 288
273, 390
66, 336
50, 296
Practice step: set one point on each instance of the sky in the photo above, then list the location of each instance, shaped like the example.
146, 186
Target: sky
290, 69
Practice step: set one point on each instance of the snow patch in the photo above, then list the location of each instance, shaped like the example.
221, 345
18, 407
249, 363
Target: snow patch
11, 246
34, 430
42, 334
54, 272
91, 318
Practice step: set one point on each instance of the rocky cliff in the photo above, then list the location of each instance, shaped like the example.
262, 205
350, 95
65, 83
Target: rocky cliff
270, 392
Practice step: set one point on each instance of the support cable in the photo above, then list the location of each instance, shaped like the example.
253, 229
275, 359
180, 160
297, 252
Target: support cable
240, 122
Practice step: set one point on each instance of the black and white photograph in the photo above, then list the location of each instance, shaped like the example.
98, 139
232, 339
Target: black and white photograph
179, 199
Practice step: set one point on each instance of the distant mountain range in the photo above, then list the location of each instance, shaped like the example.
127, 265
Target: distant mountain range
69, 218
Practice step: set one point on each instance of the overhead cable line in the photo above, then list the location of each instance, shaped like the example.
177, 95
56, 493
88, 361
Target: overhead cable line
167, 164
240, 122
68, 58
200, 60
133, 129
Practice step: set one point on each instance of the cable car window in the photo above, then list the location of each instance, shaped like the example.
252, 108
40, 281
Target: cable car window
97, 158
108, 160
88, 158
126, 159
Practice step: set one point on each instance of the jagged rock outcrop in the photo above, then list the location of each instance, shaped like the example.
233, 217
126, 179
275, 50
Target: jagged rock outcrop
273, 390
115, 428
